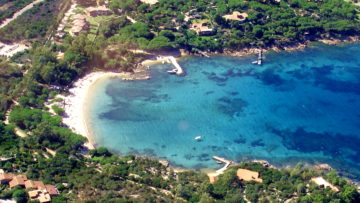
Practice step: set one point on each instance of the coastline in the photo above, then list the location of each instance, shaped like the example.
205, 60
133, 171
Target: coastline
74, 105
75, 102
293, 47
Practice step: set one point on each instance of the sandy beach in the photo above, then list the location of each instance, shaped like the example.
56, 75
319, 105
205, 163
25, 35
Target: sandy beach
75, 102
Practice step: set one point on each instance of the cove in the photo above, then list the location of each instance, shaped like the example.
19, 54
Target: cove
299, 106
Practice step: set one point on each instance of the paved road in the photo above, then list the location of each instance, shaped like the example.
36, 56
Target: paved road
8, 20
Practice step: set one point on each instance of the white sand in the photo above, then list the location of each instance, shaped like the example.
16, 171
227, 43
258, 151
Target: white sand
74, 104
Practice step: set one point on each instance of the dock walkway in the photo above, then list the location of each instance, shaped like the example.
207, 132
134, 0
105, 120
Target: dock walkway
213, 176
170, 59
260, 58
223, 160
179, 70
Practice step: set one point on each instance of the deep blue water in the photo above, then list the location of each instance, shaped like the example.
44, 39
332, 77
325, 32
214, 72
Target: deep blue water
298, 106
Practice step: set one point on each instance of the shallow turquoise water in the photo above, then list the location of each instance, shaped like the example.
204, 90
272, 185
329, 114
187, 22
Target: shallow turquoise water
298, 106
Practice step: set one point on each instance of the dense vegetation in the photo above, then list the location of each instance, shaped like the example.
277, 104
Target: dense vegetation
34, 23
10, 76
269, 22
10, 7
99, 175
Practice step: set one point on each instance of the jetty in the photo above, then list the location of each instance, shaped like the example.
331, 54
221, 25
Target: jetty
222, 160
178, 70
213, 176
260, 58
204, 54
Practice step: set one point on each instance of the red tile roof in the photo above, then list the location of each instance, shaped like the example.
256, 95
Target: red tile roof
29, 184
39, 185
52, 190
18, 180
6, 176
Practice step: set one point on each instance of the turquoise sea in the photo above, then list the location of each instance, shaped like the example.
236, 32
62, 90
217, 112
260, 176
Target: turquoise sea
299, 106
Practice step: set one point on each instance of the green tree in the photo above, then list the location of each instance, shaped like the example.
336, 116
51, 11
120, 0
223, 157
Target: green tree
158, 43
20, 196
206, 198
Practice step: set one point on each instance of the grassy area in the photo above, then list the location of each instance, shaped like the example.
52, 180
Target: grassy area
94, 24
91, 36
99, 19
79, 10
198, 21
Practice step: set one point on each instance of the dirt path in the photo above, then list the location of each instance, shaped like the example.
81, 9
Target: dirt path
20, 132
8, 20
132, 20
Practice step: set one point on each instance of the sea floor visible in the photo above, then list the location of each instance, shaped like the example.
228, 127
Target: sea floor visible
298, 106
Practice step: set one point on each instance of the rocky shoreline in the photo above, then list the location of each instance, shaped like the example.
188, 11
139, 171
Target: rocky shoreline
294, 47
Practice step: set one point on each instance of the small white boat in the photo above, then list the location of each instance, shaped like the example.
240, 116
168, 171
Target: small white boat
198, 138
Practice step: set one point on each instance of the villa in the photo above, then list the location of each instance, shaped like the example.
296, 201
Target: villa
18, 180
202, 28
52, 190
6, 178
79, 24
29, 184
40, 192
40, 195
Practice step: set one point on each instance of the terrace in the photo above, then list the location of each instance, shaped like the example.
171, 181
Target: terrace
201, 27
151, 2
247, 175
237, 16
